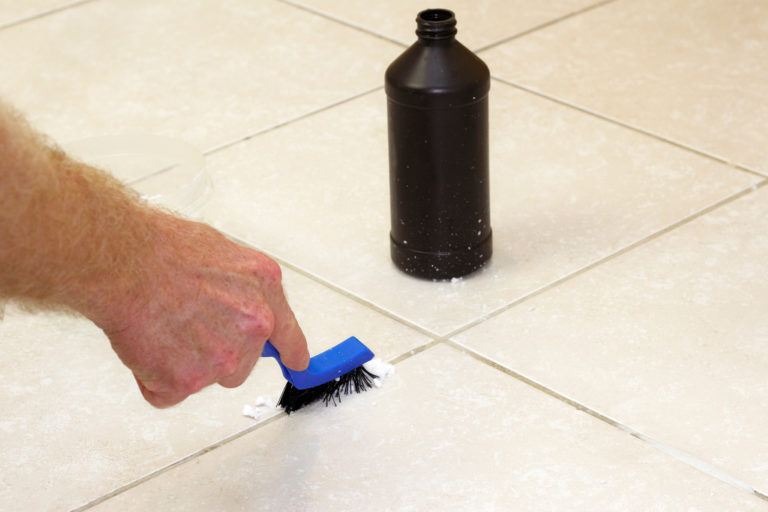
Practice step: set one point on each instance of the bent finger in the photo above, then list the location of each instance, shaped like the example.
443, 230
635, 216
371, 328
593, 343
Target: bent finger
244, 368
161, 400
287, 336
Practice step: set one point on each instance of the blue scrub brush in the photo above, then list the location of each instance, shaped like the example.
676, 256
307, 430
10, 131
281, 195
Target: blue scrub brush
337, 371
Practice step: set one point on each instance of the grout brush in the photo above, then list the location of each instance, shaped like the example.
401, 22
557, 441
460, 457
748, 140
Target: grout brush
336, 372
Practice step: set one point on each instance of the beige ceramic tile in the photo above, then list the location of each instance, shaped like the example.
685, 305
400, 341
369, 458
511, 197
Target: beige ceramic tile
445, 433
567, 189
204, 72
670, 338
74, 427
12, 11
692, 71
480, 23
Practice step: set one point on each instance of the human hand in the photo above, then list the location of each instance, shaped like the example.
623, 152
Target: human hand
183, 306
200, 314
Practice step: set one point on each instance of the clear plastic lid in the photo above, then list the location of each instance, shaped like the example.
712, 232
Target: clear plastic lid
165, 171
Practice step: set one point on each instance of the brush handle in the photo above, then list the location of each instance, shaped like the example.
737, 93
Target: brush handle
324, 367
269, 350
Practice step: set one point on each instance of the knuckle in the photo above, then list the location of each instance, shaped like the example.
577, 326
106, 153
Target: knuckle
268, 270
160, 403
150, 397
259, 320
233, 382
161, 400
155, 401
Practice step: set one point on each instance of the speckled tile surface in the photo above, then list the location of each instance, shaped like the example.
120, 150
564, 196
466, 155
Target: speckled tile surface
692, 71
204, 72
671, 338
668, 337
566, 190
480, 23
74, 426
444, 433
16, 11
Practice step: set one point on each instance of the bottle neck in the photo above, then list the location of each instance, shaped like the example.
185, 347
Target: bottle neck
435, 25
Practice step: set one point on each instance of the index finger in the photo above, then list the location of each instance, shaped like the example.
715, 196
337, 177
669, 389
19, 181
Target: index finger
287, 336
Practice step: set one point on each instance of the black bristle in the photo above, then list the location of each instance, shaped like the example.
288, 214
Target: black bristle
356, 381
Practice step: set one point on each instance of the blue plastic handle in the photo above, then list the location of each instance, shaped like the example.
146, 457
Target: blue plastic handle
326, 366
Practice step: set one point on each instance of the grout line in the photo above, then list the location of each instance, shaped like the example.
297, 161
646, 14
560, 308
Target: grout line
311, 113
534, 384
39, 15
677, 454
152, 174
434, 340
354, 297
690, 218
695, 462
227, 145
636, 129
447, 337
544, 25
343, 22
404, 45
417, 350
183, 460
233, 437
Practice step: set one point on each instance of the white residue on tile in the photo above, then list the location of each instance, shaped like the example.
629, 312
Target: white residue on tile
379, 367
265, 401
251, 412
262, 405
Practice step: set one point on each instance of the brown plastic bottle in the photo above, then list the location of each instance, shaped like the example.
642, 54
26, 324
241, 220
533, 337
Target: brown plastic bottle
437, 106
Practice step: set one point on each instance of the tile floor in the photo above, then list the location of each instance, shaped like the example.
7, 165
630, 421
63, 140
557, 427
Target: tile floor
612, 356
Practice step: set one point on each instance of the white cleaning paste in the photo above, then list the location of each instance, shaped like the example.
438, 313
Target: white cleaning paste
265, 401
263, 404
251, 412
379, 368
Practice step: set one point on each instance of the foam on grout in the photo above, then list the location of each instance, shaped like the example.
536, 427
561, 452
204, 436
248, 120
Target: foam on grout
379, 368
262, 405
251, 412
265, 401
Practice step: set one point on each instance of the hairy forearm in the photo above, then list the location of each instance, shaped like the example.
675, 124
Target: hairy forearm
183, 306
70, 235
